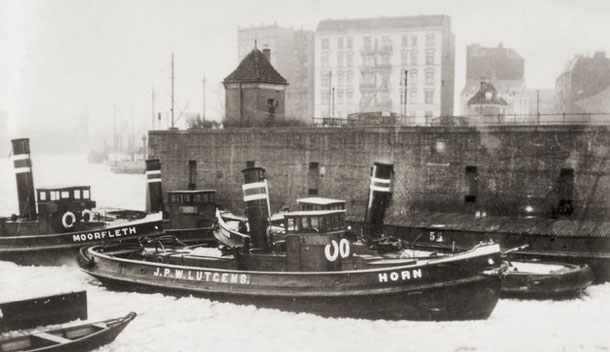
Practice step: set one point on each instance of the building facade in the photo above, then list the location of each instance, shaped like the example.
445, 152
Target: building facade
504, 68
360, 66
584, 85
291, 56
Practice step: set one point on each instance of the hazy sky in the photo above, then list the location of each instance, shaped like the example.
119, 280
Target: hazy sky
64, 63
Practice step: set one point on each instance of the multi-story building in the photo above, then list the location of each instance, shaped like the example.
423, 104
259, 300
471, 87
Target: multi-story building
360, 66
291, 56
504, 68
584, 85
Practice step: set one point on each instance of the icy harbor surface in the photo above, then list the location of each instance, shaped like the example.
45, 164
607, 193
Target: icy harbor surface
167, 323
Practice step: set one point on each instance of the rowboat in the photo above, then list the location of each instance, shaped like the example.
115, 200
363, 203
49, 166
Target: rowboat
85, 337
54, 222
312, 269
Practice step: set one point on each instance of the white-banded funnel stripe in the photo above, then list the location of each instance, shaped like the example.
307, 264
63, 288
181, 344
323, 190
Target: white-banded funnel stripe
21, 170
255, 197
21, 157
151, 180
153, 172
380, 180
380, 189
254, 185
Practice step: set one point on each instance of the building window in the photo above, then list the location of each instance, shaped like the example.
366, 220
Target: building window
413, 94
429, 57
192, 174
386, 60
271, 105
386, 43
472, 180
414, 57
429, 77
349, 96
325, 43
349, 78
324, 79
429, 96
349, 59
404, 57
414, 40
340, 43
428, 113
324, 61
324, 97
430, 39
368, 61
404, 40
341, 78
340, 97
340, 59
413, 77
366, 42
314, 174
349, 43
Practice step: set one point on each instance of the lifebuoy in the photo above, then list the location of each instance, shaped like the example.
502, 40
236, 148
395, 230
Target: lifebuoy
335, 254
86, 215
341, 249
64, 219
344, 248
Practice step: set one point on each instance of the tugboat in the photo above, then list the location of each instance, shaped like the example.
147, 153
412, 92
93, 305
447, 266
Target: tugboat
532, 279
311, 269
66, 219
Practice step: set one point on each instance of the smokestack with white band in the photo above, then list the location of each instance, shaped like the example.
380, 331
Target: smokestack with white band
256, 196
379, 199
154, 191
25, 181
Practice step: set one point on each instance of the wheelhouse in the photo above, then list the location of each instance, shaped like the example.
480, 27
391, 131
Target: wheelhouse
189, 209
59, 194
319, 203
314, 221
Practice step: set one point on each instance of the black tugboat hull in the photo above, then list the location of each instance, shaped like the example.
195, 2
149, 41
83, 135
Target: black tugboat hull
441, 289
62, 249
473, 299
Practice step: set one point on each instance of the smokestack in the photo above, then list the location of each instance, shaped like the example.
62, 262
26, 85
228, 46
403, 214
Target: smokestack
25, 182
154, 191
379, 199
267, 53
256, 196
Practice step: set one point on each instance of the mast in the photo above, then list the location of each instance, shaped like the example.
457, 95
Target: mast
153, 108
203, 112
114, 127
172, 108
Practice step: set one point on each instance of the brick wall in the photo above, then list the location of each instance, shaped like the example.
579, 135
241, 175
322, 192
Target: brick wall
510, 167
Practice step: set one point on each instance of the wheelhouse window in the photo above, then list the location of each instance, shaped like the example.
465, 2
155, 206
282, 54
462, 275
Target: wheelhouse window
77, 194
42, 196
65, 194
85, 194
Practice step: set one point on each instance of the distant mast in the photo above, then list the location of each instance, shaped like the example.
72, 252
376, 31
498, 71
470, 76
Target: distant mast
172, 109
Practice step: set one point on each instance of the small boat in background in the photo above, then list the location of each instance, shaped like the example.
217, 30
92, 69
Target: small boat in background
46, 310
84, 337
54, 222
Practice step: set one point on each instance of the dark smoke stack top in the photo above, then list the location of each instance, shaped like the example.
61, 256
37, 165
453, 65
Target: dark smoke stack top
267, 53
379, 199
25, 181
256, 196
154, 191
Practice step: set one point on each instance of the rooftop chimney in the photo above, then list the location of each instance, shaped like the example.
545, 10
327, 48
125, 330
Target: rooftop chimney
267, 53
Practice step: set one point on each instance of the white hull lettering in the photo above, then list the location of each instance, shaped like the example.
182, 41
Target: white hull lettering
197, 275
100, 235
402, 275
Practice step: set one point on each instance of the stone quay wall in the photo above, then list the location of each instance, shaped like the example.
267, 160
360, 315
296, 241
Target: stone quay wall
506, 170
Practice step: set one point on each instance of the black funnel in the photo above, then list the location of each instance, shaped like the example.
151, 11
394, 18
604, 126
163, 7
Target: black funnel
25, 181
154, 191
379, 199
256, 197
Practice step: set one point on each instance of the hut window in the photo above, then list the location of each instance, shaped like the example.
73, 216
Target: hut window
472, 180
